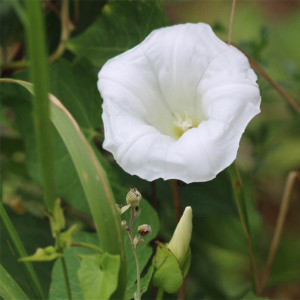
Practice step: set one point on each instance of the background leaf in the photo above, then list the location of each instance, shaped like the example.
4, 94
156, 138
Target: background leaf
98, 275
57, 289
9, 289
121, 25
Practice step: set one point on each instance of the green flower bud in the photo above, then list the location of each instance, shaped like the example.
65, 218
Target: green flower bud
144, 230
180, 242
133, 198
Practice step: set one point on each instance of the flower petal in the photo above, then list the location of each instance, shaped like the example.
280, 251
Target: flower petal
182, 70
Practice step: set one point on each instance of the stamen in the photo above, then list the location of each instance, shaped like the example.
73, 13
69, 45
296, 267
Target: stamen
183, 124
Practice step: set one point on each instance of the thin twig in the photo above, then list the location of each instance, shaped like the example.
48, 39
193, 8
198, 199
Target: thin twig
181, 293
66, 29
259, 70
52, 7
279, 226
88, 246
231, 22
76, 12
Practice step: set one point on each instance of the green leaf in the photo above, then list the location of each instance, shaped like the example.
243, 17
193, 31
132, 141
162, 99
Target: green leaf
168, 274
78, 91
98, 275
9, 289
35, 283
43, 254
122, 25
58, 288
57, 218
187, 263
93, 180
66, 237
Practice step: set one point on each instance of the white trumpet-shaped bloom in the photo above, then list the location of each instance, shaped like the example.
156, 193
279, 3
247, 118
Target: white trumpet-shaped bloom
176, 105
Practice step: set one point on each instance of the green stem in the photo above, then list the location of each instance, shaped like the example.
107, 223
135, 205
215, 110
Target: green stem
39, 73
138, 275
160, 294
66, 276
240, 205
88, 246
138, 269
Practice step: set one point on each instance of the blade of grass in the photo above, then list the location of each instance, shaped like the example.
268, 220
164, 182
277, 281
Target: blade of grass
20, 12
34, 281
9, 289
290, 182
93, 179
95, 184
39, 74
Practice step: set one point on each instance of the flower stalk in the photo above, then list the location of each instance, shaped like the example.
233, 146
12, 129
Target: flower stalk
133, 199
176, 199
66, 276
240, 205
134, 244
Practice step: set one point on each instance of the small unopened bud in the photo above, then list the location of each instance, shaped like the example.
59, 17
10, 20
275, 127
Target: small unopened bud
133, 198
180, 242
144, 230
124, 224
135, 242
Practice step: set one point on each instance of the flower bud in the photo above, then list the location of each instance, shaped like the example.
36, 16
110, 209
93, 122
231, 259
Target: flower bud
124, 225
180, 242
133, 198
144, 230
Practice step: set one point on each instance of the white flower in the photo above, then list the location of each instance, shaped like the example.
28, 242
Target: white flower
176, 105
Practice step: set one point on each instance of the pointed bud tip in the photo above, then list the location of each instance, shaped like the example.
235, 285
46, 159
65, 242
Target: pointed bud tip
180, 241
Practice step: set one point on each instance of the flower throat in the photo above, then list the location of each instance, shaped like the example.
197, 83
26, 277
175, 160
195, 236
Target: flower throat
183, 124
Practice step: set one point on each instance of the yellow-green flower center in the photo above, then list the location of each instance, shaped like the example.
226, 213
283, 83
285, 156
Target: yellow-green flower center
183, 124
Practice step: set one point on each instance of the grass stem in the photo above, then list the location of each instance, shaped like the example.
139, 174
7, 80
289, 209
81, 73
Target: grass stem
279, 226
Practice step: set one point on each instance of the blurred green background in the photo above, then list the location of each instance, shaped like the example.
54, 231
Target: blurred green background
269, 150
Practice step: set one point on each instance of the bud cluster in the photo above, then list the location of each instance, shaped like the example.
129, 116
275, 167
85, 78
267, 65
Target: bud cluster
133, 199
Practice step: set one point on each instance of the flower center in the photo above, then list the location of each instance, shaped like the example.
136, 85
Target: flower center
182, 124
